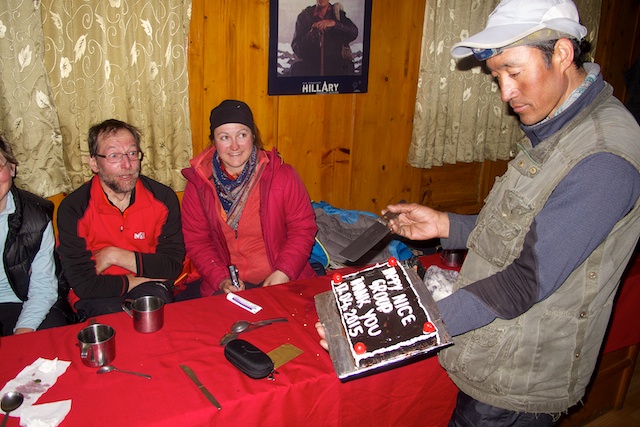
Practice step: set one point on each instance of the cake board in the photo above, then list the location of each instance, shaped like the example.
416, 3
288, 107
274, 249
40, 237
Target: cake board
339, 347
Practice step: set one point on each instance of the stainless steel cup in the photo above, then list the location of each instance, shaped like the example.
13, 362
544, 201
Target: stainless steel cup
147, 313
97, 344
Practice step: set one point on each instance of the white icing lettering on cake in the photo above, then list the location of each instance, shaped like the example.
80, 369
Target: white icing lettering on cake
346, 301
408, 320
381, 312
353, 323
402, 305
360, 292
379, 289
392, 279
371, 322
358, 330
345, 297
342, 288
404, 309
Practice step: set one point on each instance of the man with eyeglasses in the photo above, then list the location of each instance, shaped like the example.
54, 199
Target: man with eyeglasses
531, 305
119, 234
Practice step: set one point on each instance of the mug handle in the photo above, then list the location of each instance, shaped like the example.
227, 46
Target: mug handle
85, 349
126, 306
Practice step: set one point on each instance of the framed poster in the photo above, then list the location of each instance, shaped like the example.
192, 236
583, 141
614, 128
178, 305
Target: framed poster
319, 47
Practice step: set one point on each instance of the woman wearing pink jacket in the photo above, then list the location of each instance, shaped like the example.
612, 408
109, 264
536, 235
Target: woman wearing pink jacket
244, 207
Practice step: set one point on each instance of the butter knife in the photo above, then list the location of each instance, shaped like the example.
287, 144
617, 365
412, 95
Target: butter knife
368, 239
187, 370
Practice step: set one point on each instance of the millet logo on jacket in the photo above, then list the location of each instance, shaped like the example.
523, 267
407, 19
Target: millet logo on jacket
139, 235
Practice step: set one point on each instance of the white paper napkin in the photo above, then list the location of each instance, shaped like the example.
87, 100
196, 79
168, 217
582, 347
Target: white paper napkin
34, 380
45, 415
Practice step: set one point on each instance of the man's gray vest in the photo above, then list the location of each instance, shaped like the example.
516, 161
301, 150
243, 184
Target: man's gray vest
542, 360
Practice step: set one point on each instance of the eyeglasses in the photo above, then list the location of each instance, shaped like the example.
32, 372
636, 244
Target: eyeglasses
132, 156
484, 54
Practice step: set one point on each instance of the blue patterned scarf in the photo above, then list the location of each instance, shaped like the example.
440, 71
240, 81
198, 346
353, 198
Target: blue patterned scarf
233, 193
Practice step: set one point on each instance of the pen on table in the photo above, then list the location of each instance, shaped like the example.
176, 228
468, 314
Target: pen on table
233, 272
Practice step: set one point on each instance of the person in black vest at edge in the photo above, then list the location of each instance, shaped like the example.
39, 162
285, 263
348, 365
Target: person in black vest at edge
28, 282
530, 308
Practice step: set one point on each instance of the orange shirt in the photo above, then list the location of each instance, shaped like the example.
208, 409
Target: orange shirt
247, 248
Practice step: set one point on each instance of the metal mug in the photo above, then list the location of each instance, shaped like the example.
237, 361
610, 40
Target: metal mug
453, 257
97, 344
147, 313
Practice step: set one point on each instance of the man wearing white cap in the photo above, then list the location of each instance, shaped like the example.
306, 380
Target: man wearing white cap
533, 299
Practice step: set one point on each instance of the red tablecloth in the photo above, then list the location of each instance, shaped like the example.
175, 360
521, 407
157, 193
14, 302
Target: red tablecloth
624, 330
306, 390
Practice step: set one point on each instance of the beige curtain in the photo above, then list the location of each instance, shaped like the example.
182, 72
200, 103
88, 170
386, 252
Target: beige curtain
123, 59
28, 117
459, 116
68, 64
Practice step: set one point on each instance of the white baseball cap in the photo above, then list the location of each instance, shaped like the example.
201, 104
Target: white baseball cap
513, 20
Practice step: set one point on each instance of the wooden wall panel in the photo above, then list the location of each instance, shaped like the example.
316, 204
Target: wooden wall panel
235, 56
460, 188
618, 44
384, 120
315, 134
349, 149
